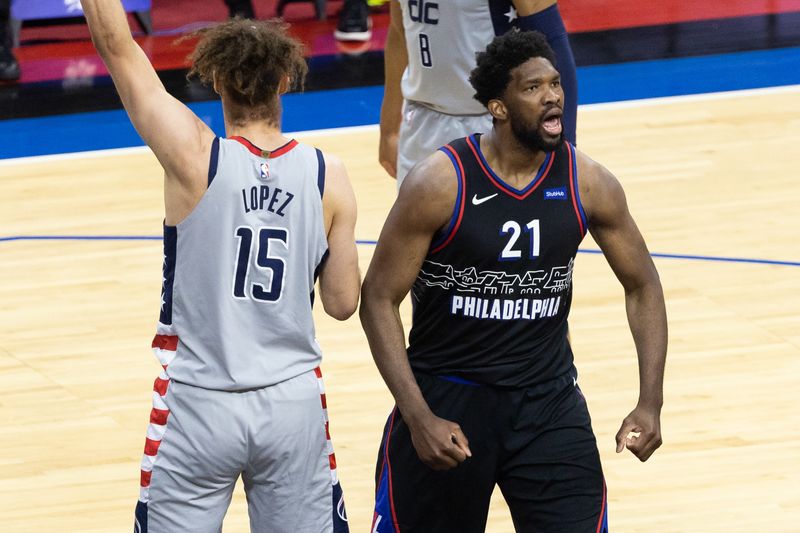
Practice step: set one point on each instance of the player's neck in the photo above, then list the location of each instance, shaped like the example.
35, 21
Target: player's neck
514, 162
263, 134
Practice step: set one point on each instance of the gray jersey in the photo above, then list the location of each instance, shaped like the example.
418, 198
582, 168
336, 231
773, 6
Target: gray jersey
239, 271
442, 39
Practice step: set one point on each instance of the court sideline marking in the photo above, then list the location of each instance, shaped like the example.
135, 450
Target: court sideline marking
690, 257
374, 127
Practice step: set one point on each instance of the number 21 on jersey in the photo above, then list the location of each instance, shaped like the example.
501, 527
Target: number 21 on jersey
424, 12
266, 282
513, 229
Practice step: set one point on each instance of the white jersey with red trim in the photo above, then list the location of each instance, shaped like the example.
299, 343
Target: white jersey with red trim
239, 271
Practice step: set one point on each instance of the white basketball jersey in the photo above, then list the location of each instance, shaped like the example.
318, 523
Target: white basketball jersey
239, 271
442, 38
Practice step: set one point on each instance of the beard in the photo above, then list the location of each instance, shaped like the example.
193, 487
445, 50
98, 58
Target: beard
528, 135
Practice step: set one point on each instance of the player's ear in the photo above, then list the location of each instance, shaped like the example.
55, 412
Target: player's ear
284, 85
498, 109
215, 83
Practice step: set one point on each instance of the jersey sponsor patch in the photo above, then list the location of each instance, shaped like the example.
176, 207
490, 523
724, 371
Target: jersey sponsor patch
559, 193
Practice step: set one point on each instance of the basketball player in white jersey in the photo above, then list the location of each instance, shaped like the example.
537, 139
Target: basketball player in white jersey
430, 51
251, 221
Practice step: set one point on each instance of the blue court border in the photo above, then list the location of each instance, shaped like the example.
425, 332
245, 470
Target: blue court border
689, 257
361, 106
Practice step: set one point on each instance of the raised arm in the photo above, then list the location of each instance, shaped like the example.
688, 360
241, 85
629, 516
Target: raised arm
395, 62
616, 233
423, 206
530, 7
178, 138
339, 279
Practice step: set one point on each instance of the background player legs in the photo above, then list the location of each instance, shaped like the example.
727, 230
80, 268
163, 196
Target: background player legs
354, 23
9, 67
240, 8
422, 130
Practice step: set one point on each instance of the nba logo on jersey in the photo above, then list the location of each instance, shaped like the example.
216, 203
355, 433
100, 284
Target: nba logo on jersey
264, 171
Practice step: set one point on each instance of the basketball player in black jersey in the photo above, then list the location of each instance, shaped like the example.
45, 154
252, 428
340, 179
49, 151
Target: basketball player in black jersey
484, 233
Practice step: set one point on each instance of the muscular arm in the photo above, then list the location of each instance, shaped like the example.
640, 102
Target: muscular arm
401, 249
340, 279
395, 62
616, 233
178, 138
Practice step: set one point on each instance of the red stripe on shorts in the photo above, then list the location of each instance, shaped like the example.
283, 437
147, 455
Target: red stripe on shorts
159, 416
151, 447
166, 342
160, 386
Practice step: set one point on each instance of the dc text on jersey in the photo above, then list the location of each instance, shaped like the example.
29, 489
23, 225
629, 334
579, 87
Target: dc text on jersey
423, 11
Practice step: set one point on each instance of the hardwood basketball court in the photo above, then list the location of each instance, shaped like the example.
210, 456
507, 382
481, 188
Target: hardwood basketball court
711, 177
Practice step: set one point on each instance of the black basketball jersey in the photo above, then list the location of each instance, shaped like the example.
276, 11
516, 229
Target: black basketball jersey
492, 297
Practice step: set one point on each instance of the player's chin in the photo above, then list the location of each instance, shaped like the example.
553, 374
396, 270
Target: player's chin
551, 141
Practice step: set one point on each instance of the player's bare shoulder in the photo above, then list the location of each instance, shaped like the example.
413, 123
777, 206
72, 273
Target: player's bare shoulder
335, 174
429, 191
600, 191
434, 175
338, 198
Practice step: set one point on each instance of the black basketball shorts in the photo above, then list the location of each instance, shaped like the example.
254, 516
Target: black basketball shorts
535, 443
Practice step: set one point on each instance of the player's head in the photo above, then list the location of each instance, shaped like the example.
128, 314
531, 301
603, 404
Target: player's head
517, 81
250, 64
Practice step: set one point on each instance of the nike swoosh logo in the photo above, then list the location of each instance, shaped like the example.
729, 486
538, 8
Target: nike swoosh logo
479, 201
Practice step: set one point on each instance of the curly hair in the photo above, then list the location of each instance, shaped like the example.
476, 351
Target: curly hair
246, 61
491, 76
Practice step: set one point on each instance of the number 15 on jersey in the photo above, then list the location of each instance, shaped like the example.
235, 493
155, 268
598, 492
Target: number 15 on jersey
267, 283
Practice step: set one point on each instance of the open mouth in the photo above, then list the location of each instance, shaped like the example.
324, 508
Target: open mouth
552, 122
